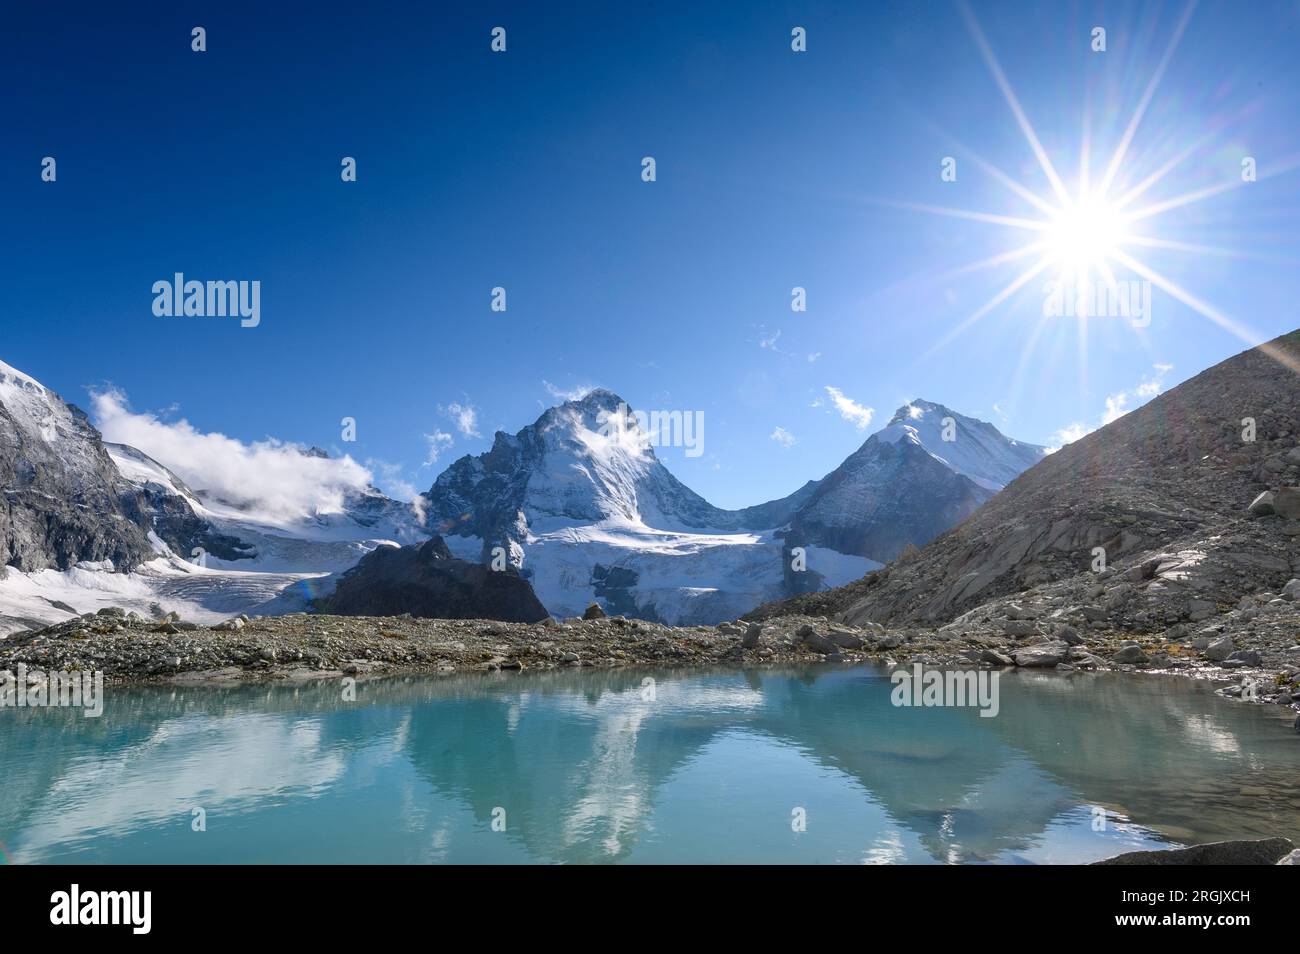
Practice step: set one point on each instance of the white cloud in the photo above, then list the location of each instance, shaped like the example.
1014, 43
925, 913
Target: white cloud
573, 394
438, 442
391, 479
783, 437
465, 417
1069, 434
1117, 405
273, 480
851, 410
768, 341
814, 356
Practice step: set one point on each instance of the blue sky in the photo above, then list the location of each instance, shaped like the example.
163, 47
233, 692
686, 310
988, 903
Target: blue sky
522, 169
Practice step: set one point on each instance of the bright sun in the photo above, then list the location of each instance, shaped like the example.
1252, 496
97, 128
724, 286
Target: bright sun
1084, 236
1099, 228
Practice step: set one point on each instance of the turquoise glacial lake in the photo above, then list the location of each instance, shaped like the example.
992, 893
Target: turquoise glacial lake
595, 766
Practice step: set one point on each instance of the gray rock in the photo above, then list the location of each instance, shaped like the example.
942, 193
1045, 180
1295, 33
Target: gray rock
1286, 502
1016, 611
808, 636
594, 612
1263, 506
844, 638
752, 634
1290, 858
1220, 649
1247, 657
1067, 634
1291, 591
996, 658
1019, 628
1042, 654
1130, 654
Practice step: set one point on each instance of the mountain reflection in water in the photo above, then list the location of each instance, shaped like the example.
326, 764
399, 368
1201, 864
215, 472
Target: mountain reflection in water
601, 766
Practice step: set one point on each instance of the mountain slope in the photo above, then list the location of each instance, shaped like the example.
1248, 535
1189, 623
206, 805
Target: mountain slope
1165, 491
928, 469
62, 501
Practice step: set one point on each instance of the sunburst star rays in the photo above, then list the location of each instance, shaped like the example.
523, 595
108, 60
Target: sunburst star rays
1085, 231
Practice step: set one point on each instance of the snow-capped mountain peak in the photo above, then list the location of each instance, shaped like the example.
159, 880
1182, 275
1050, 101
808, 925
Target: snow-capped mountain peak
967, 445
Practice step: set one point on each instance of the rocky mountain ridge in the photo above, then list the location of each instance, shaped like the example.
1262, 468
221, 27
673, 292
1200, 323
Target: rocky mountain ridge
1170, 535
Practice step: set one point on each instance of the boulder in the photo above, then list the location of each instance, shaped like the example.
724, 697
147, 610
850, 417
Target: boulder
1262, 506
1286, 502
1042, 654
996, 658
1220, 649
845, 639
1016, 611
1130, 653
1291, 591
751, 637
808, 636
594, 612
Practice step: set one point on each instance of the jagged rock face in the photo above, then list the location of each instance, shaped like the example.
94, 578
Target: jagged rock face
63, 501
427, 581
1165, 491
577, 464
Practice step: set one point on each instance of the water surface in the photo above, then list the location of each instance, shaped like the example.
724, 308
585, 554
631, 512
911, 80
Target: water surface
601, 766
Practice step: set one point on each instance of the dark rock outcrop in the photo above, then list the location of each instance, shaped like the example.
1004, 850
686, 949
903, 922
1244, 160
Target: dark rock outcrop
1265, 851
427, 581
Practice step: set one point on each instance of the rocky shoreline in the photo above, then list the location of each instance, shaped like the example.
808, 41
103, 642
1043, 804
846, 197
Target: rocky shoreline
129, 648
